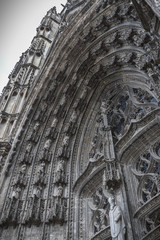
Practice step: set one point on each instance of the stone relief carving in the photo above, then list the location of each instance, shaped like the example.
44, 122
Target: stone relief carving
57, 210
27, 158
34, 136
100, 207
52, 131
50, 95
40, 177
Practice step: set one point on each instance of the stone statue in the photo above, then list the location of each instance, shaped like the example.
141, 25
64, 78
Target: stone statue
84, 93
63, 100
16, 193
37, 191
40, 176
60, 175
73, 117
28, 148
117, 224
23, 168
36, 127
60, 191
54, 123
47, 144
60, 166
65, 141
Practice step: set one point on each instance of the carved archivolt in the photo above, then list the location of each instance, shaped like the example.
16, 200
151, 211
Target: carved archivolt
95, 99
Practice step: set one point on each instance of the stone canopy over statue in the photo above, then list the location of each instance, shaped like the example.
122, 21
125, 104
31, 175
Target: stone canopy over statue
117, 224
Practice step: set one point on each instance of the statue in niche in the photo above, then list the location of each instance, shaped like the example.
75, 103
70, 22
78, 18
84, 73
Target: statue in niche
73, 117
65, 141
52, 131
63, 100
60, 191
40, 176
33, 136
84, 93
60, 109
21, 180
71, 126
28, 148
54, 123
23, 169
28, 157
46, 155
36, 127
37, 191
96, 150
117, 224
64, 150
47, 145
16, 193
41, 114
80, 102
60, 175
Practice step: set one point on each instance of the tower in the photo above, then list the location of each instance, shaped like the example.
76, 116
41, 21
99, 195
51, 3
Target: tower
23, 78
83, 161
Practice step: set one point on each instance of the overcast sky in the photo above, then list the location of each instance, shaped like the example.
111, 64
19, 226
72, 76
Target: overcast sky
18, 22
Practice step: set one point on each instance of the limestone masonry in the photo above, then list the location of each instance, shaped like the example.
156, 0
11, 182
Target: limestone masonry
80, 126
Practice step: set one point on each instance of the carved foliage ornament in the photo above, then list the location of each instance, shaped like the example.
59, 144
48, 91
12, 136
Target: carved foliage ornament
147, 171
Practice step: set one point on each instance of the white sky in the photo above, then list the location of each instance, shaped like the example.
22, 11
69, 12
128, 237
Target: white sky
18, 22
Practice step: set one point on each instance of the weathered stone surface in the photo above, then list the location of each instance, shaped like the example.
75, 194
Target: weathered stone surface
79, 125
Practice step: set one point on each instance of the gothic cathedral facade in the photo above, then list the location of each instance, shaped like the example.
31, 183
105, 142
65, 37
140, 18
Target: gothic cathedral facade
80, 126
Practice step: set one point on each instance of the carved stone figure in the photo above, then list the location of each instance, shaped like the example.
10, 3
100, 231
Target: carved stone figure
37, 191
47, 145
54, 122
65, 141
16, 192
60, 191
73, 117
60, 174
28, 148
117, 224
21, 180
34, 136
64, 151
40, 178
84, 100
23, 169
36, 127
